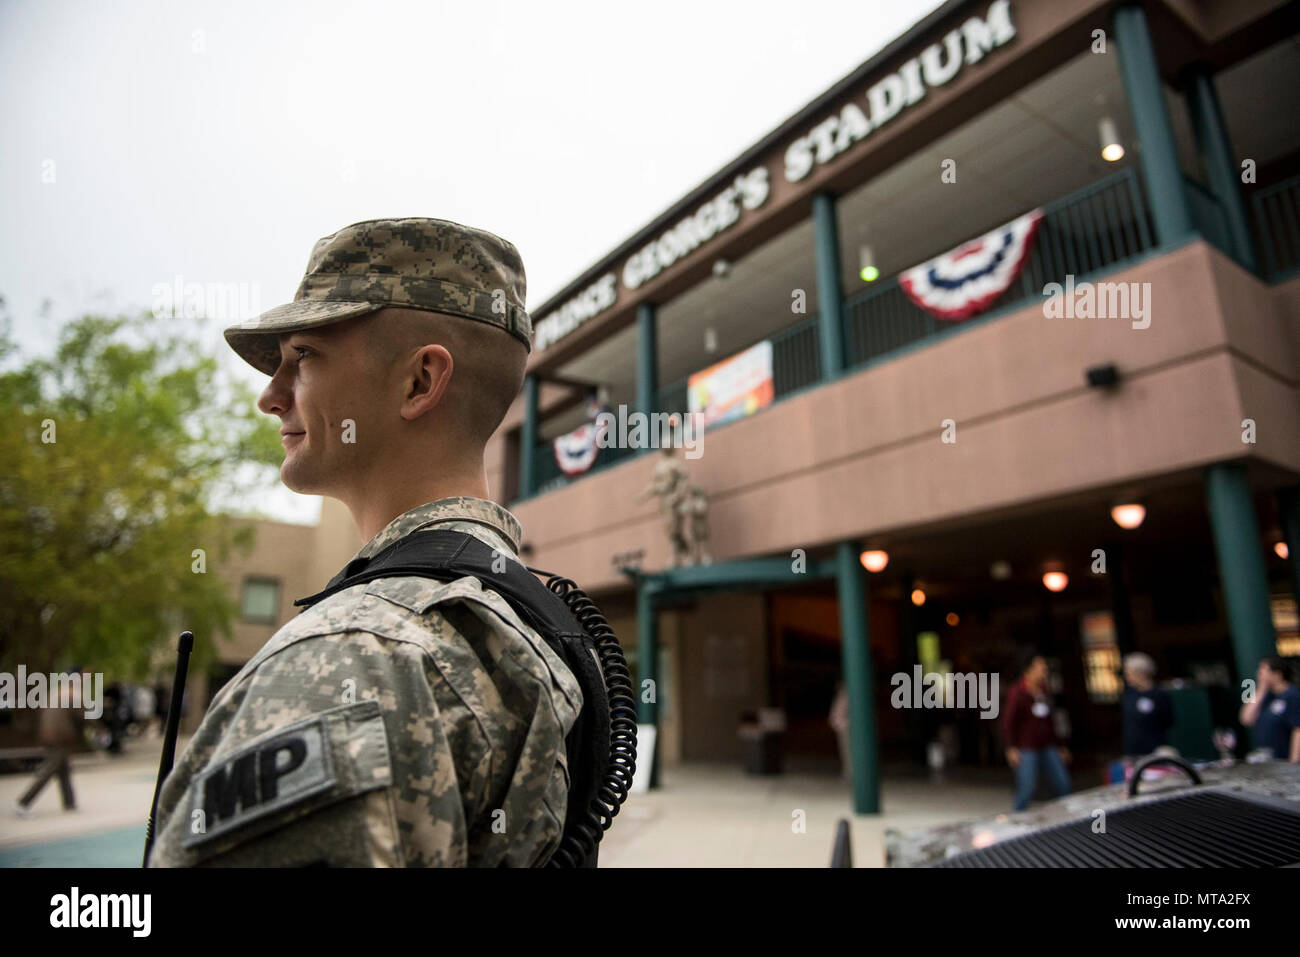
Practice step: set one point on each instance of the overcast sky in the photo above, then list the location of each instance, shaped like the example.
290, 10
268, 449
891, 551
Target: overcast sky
216, 141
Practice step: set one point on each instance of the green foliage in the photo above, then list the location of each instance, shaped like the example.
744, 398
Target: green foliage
114, 448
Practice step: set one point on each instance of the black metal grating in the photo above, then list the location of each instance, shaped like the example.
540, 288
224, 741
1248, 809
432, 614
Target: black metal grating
1203, 829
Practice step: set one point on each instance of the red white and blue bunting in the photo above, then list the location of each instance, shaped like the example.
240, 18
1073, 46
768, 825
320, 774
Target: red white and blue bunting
967, 280
576, 452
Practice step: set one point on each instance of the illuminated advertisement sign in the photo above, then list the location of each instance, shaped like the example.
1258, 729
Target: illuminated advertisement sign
733, 388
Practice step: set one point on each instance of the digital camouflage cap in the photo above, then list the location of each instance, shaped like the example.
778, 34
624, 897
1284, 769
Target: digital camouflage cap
415, 263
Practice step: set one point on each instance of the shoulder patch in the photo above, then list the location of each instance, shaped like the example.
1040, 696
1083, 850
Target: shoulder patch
291, 770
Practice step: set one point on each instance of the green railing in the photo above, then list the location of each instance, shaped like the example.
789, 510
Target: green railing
550, 476
1099, 227
796, 364
673, 397
796, 358
1277, 217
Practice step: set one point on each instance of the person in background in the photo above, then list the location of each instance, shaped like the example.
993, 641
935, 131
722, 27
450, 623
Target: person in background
1031, 740
838, 719
161, 696
60, 727
1147, 711
1275, 712
115, 705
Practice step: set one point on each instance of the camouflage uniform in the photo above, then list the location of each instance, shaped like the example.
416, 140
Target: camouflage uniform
403, 722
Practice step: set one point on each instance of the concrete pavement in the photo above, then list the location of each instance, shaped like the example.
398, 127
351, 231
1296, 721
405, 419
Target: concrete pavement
707, 815
703, 815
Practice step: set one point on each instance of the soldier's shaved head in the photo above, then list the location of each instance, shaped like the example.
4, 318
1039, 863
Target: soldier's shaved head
395, 363
487, 373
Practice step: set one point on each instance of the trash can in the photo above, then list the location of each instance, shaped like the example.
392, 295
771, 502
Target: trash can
762, 740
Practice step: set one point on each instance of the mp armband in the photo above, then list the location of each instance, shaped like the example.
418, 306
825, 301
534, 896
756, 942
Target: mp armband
270, 782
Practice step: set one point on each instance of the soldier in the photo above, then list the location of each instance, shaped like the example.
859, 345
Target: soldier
408, 721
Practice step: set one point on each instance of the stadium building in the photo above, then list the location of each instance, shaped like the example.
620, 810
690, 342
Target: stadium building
1011, 316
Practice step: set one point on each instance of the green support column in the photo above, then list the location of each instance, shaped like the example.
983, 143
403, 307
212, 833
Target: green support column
647, 362
1288, 507
1241, 566
826, 246
856, 652
647, 644
528, 440
1161, 174
1216, 153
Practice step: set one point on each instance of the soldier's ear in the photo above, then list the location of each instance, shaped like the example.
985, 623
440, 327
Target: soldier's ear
427, 380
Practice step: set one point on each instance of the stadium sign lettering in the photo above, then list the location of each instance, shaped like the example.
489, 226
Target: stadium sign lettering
592, 301
936, 65
748, 191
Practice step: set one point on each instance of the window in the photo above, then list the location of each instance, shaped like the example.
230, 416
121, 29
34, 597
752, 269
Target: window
218, 677
1101, 661
261, 600
1286, 623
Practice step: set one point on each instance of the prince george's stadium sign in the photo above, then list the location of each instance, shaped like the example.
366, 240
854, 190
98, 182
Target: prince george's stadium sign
937, 64
887, 98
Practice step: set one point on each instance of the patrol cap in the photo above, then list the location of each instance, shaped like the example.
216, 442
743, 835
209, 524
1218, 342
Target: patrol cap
415, 263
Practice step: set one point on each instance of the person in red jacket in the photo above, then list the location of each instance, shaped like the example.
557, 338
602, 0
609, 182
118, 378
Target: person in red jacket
1031, 739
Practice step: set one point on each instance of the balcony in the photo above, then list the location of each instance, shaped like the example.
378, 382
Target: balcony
1091, 232
1036, 149
1277, 229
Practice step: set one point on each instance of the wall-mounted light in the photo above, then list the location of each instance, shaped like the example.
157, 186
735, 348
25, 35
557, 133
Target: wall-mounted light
1112, 150
1102, 376
1128, 515
1281, 551
1055, 581
867, 264
874, 560
721, 268
918, 597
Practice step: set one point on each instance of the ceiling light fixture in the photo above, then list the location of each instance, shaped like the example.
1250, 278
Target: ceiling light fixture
1112, 151
867, 264
1128, 515
874, 560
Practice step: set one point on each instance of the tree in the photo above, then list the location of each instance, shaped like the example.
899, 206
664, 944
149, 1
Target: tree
115, 448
